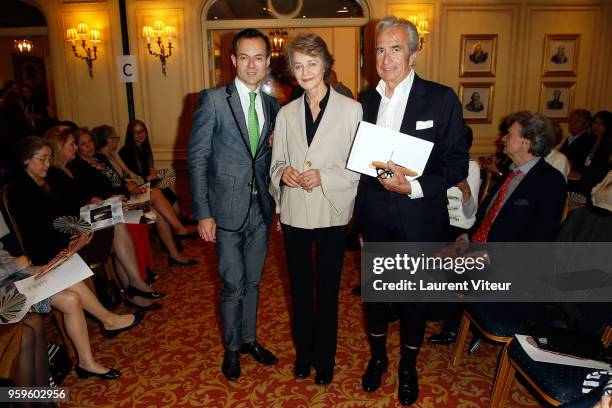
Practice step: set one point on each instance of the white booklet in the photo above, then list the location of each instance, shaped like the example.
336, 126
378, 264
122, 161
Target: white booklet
108, 212
40, 287
376, 143
545, 356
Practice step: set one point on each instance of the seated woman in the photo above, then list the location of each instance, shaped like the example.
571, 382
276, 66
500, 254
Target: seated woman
26, 364
69, 190
137, 155
35, 208
599, 160
107, 143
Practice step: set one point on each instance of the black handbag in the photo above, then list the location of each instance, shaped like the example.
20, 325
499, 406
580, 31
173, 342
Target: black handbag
60, 364
107, 291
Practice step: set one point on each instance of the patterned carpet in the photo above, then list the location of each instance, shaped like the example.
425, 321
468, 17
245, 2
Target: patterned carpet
173, 358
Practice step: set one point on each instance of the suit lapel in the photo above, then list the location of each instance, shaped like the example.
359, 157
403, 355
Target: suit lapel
233, 100
416, 106
263, 137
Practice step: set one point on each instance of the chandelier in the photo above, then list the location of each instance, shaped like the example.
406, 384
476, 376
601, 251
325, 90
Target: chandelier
278, 40
24, 45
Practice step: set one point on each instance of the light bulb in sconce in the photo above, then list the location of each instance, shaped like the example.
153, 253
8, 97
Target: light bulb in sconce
170, 32
147, 32
94, 36
72, 35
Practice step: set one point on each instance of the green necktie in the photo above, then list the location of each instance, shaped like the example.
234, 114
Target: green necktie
253, 126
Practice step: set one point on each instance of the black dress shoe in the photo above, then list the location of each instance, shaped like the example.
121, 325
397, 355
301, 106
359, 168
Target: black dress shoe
324, 376
176, 262
111, 374
372, 377
301, 371
152, 306
262, 355
131, 291
231, 365
408, 390
109, 334
444, 337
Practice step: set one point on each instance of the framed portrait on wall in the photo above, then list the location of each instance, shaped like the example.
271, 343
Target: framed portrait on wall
477, 101
478, 55
560, 54
556, 99
30, 70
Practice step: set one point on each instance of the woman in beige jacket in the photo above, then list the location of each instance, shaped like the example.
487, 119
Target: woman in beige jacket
315, 194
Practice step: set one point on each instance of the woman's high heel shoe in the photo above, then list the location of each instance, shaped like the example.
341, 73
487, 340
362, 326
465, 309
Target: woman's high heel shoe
110, 333
176, 262
132, 291
152, 306
111, 374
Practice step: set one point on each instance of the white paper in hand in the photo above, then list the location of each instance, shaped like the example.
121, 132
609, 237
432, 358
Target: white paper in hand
377, 143
72, 271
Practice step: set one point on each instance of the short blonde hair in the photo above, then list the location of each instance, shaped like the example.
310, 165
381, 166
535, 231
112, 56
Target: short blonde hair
312, 45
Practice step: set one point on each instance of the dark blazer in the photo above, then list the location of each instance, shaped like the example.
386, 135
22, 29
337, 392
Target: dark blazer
425, 218
220, 163
578, 150
532, 213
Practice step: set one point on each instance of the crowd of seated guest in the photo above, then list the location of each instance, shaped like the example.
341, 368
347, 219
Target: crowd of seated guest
54, 176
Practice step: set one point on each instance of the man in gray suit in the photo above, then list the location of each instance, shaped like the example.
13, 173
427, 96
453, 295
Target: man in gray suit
228, 164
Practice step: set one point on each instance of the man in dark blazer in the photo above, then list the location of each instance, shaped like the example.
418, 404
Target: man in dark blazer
395, 209
579, 141
229, 163
528, 205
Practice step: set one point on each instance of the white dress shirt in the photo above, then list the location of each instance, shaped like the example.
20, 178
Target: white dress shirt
463, 215
391, 113
245, 101
559, 161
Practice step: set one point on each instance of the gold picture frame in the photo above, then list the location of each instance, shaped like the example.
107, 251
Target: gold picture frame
478, 55
560, 54
557, 99
477, 101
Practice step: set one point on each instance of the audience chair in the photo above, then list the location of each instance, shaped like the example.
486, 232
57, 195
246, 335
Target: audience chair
555, 383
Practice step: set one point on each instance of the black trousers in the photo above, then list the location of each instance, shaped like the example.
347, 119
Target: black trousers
381, 223
314, 291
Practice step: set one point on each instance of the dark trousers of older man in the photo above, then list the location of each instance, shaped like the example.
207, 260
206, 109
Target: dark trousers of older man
241, 256
382, 225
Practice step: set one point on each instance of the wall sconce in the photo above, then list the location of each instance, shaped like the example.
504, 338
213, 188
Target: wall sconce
278, 40
83, 34
422, 24
160, 30
23, 46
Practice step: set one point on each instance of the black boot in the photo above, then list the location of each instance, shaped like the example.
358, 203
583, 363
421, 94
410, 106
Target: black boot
372, 377
408, 390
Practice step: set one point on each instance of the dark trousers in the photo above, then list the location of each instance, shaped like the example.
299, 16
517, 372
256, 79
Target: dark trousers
314, 291
241, 257
381, 224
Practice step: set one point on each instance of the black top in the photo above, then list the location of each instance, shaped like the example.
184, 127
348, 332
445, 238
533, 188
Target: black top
67, 190
92, 181
312, 125
137, 160
34, 210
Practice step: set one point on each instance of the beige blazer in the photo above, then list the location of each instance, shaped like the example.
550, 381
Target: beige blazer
331, 203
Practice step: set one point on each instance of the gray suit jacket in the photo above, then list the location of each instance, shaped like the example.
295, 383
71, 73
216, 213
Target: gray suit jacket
220, 164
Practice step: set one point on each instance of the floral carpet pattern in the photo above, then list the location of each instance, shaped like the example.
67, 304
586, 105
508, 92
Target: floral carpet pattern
173, 358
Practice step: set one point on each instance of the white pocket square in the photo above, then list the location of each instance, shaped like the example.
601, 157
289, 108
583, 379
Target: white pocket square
424, 124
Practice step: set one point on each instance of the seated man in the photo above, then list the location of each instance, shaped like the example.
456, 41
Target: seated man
528, 205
